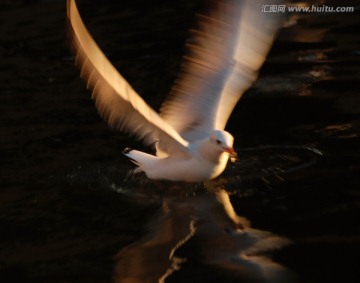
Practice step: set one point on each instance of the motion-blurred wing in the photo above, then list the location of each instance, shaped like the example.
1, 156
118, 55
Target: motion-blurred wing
115, 99
227, 49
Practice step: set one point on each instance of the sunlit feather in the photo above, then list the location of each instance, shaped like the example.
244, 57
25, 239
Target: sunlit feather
115, 99
222, 61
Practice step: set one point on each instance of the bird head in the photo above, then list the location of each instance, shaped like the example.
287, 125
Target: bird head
223, 141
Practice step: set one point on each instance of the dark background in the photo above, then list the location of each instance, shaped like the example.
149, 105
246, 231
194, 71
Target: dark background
65, 210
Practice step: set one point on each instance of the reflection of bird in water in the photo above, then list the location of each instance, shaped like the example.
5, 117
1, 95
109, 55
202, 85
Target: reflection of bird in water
224, 240
227, 49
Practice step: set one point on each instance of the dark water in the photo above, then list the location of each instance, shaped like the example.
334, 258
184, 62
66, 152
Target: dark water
65, 209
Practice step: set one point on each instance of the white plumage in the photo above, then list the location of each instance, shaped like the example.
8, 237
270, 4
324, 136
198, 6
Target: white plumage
229, 46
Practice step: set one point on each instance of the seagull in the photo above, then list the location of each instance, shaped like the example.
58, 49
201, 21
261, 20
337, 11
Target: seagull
223, 57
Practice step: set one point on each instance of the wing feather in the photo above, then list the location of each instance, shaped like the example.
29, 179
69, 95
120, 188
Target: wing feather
116, 101
222, 61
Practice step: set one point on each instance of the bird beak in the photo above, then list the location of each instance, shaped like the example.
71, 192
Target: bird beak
229, 150
233, 154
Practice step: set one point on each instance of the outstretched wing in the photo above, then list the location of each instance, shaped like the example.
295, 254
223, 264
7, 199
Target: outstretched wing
116, 101
227, 49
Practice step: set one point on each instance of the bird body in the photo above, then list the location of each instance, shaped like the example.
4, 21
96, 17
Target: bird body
206, 160
178, 169
227, 49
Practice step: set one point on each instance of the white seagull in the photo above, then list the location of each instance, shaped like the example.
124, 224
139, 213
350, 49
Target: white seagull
222, 61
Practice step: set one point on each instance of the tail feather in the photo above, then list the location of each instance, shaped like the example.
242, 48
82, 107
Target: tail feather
127, 152
141, 159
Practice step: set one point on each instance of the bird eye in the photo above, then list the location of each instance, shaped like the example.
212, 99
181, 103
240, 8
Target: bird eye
218, 141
